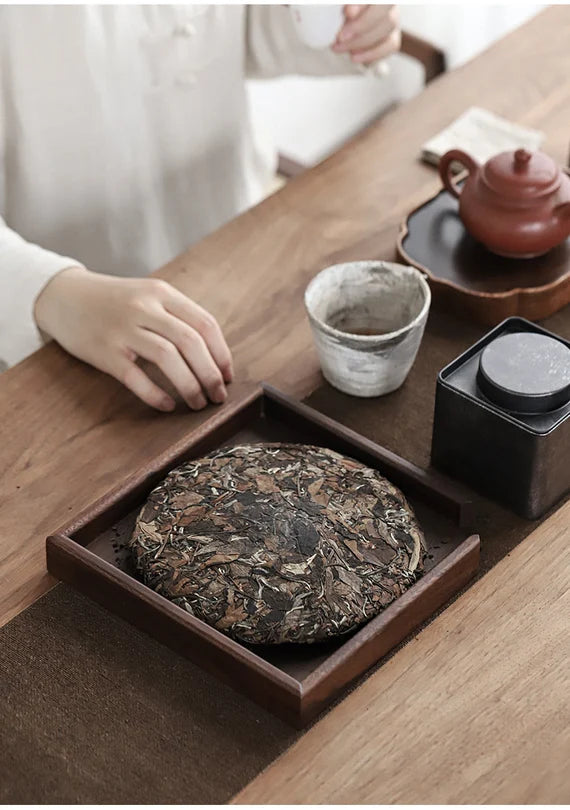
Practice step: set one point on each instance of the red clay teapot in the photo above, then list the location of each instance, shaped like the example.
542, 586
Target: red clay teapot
517, 204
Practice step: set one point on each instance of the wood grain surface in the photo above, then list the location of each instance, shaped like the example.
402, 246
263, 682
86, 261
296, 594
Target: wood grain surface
70, 433
472, 711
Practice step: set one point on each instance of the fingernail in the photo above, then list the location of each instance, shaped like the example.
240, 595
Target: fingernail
229, 374
219, 394
345, 35
167, 404
198, 403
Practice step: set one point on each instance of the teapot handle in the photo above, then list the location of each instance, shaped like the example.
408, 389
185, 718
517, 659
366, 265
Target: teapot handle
445, 169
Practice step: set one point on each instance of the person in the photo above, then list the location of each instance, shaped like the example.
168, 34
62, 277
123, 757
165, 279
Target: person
124, 137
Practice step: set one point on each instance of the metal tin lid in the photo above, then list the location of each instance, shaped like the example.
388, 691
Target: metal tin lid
525, 372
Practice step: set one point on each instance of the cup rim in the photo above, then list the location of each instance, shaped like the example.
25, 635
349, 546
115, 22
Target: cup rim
385, 336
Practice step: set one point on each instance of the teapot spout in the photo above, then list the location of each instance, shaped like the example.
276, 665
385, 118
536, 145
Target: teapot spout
562, 217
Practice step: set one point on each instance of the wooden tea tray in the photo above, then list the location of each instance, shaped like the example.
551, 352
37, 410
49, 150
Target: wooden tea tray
465, 277
293, 681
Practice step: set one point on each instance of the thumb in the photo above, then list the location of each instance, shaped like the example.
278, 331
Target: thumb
352, 12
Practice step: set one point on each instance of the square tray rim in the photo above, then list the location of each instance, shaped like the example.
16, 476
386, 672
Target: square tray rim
372, 627
302, 691
59, 541
453, 494
298, 687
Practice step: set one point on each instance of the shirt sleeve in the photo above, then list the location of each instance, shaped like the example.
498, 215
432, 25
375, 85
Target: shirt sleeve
25, 269
274, 49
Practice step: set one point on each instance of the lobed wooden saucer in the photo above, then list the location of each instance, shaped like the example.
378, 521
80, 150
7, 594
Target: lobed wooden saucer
466, 277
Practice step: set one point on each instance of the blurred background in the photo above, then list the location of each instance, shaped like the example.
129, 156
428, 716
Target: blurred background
308, 118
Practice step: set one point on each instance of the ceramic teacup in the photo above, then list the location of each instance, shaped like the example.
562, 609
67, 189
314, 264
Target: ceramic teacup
368, 319
318, 26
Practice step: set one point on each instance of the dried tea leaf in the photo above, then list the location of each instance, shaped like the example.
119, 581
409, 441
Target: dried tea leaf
275, 543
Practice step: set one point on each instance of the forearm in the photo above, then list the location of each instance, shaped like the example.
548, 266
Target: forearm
25, 269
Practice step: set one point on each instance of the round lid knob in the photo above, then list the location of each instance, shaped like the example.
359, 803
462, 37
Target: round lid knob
525, 372
522, 175
522, 157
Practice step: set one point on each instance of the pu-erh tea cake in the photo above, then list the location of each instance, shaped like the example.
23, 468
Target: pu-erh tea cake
274, 543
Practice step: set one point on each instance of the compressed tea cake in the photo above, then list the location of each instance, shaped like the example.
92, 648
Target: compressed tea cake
274, 543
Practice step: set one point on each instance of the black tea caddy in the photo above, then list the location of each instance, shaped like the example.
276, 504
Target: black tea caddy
502, 417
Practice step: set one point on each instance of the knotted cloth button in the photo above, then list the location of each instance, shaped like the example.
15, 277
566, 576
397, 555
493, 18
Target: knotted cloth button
187, 78
186, 29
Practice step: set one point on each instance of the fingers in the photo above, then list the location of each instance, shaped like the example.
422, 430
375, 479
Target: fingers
192, 346
201, 321
170, 330
352, 12
165, 355
381, 51
369, 39
134, 378
368, 29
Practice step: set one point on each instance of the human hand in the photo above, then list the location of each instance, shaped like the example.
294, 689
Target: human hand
109, 322
369, 33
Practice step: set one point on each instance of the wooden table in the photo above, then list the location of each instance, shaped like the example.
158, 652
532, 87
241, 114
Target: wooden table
69, 433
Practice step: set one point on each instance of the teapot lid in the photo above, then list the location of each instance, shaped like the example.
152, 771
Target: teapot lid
521, 175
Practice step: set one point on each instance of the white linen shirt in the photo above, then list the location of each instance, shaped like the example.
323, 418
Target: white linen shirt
125, 136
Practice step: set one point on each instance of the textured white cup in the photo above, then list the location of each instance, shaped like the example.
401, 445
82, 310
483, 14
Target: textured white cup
390, 298
317, 26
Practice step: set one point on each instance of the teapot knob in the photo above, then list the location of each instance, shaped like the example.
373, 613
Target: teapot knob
522, 157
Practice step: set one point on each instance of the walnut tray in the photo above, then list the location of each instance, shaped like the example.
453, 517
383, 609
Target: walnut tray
294, 681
